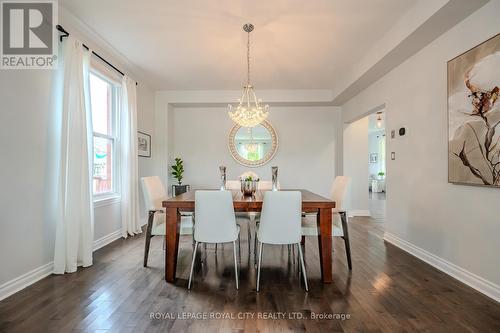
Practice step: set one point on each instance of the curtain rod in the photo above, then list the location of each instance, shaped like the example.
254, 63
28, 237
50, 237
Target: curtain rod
66, 34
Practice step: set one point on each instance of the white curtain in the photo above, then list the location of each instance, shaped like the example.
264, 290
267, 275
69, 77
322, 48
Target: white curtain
74, 215
129, 173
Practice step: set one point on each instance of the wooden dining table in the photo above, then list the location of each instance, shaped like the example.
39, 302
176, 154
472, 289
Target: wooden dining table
311, 203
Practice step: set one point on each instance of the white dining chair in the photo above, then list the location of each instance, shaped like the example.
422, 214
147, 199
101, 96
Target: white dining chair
245, 217
266, 185
249, 217
339, 219
234, 185
154, 193
215, 223
280, 224
187, 217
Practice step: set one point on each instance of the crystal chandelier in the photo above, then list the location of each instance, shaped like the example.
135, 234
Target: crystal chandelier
249, 112
251, 147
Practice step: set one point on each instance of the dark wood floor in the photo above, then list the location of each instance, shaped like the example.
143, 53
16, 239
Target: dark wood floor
387, 291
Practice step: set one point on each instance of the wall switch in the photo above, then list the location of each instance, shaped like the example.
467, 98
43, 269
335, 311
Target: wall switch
393, 134
393, 156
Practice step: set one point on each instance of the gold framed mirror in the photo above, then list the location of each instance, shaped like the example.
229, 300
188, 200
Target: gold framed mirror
255, 146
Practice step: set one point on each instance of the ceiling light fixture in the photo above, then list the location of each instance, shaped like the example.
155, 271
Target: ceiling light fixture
251, 147
379, 119
249, 112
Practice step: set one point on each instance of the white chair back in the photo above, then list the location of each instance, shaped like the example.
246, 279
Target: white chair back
263, 185
154, 192
233, 185
267, 185
215, 219
249, 174
339, 191
280, 221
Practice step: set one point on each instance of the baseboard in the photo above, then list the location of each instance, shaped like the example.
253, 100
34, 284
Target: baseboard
25, 280
358, 212
103, 241
472, 280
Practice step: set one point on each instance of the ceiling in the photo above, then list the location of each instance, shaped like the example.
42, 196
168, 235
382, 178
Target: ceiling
200, 45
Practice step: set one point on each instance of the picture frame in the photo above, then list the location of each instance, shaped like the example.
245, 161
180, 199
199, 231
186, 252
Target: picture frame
473, 110
373, 158
143, 144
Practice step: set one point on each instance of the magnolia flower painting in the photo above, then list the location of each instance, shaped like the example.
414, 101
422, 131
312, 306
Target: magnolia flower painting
474, 115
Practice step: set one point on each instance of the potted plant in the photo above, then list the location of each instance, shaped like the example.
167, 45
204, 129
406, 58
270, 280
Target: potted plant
249, 181
381, 175
178, 173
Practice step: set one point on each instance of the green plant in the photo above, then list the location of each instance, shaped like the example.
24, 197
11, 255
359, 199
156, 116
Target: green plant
178, 170
381, 174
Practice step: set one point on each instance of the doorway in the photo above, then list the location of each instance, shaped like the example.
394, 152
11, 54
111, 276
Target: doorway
364, 160
377, 163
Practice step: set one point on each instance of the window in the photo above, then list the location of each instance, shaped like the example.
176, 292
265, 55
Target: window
104, 106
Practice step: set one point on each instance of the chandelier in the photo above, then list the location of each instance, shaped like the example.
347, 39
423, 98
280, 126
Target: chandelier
249, 112
251, 147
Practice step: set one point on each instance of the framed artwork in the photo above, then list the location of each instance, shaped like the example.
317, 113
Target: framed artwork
373, 158
143, 144
474, 115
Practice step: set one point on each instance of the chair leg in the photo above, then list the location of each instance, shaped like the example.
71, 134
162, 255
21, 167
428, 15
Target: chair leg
258, 266
192, 228
235, 265
298, 262
148, 237
255, 250
249, 237
303, 267
216, 248
239, 248
192, 265
345, 230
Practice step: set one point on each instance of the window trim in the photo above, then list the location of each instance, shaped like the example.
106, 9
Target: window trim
107, 198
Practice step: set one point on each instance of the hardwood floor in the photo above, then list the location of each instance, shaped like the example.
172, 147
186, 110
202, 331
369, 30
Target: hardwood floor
387, 291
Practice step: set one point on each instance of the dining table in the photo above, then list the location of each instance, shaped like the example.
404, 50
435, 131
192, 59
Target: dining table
311, 203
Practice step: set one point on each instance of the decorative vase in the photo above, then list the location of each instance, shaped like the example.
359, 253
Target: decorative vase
222, 170
179, 189
248, 187
274, 171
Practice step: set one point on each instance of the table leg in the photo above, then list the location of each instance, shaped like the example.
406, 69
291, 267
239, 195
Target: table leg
172, 240
325, 243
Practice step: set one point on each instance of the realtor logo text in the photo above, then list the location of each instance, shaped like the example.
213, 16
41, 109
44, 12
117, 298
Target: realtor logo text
28, 37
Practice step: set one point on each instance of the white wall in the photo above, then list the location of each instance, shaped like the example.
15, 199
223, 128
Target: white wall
308, 141
27, 231
455, 227
356, 166
146, 124
26, 240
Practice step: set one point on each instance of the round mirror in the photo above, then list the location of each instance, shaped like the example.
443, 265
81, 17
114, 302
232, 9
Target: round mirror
253, 146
